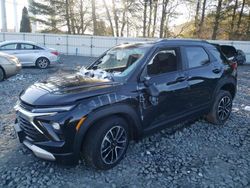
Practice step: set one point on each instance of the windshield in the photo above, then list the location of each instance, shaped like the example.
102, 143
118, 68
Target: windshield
121, 60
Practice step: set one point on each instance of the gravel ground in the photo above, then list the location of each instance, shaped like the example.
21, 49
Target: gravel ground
197, 155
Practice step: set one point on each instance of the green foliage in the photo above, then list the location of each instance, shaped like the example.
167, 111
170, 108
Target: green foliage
25, 22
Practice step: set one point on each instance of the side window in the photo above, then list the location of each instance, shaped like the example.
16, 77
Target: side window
37, 48
27, 47
163, 62
196, 56
218, 55
9, 46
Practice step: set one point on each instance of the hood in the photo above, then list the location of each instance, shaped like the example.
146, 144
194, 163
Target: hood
64, 90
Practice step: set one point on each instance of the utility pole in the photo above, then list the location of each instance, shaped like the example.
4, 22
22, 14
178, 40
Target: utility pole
16, 27
3, 16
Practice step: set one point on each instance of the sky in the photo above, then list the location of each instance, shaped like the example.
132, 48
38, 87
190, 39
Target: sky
183, 17
10, 12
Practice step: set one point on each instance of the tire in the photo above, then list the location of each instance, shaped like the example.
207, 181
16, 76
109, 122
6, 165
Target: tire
42, 63
221, 108
2, 75
99, 149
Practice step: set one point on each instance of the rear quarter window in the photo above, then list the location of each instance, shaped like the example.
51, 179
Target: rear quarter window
218, 55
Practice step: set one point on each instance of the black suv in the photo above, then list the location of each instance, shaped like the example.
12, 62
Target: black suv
129, 91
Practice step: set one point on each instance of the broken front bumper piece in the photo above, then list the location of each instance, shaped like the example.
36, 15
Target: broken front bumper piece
39, 152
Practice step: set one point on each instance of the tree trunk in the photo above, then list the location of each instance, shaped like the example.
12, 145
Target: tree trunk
240, 17
67, 16
202, 18
94, 17
125, 9
248, 27
155, 16
81, 17
163, 17
150, 17
231, 31
217, 19
145, 17
115, 18
196, 19
109, 18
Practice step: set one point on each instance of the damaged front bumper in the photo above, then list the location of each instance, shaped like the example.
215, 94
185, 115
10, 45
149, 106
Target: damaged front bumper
43, 141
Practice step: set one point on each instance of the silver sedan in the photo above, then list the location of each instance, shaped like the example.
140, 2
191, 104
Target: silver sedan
30, 54
9, 65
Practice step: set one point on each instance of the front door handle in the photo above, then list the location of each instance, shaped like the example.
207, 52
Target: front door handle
181, 79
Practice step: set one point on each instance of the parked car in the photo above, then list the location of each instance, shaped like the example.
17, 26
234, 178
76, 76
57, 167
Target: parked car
233, 54
9, 65
128, 92
30, 54
240, 57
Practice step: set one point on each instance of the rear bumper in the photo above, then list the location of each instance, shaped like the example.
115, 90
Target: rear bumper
47, 150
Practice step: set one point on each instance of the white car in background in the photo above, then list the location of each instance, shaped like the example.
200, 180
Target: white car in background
30, 54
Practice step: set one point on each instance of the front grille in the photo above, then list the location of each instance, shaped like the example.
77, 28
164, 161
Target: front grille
30, 130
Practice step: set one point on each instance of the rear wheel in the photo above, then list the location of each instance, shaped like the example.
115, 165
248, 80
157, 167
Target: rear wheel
1, 74
221, 109
42, 62
106, 143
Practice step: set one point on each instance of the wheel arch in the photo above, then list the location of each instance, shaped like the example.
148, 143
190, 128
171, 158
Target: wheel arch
4, 73
122, 110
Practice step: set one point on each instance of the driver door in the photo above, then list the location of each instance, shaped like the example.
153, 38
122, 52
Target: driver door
169, 82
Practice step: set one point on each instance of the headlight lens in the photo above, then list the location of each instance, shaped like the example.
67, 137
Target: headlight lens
53, 109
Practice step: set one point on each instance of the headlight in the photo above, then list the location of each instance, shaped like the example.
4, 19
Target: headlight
53, 109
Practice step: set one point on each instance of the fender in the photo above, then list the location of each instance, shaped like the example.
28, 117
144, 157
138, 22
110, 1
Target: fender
113, 109
222, 82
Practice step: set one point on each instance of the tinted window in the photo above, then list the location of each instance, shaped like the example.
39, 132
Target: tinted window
9, 46
27, 47
163, 62
38, 48
196, 56
218, 56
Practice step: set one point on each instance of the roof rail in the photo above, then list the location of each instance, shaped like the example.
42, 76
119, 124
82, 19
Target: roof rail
182, 40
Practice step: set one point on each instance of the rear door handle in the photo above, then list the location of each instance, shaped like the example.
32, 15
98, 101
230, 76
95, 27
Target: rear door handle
217, 70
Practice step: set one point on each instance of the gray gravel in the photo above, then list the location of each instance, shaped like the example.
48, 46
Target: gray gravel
198, 154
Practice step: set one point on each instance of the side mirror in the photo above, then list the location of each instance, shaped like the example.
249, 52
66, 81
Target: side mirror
151, 88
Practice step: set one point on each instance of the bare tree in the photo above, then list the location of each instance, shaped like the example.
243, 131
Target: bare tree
109, 18
115, 18
202, 18
145, 7
163, 17
196, 19
217, 19
94, 17
155, 16
240, 17
231, 29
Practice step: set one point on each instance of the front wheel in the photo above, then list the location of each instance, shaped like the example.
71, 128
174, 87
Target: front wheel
106, 143
221, 108
42, 62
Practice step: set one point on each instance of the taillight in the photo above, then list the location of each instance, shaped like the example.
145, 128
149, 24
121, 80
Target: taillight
234, 65
55, 53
